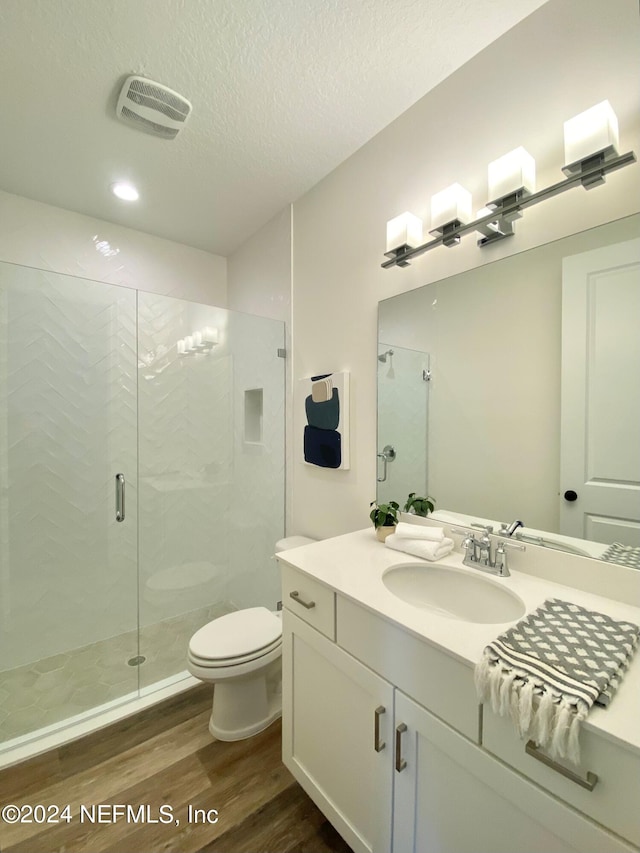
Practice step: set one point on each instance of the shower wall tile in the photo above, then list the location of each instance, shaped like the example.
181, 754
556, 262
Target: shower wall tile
50, 238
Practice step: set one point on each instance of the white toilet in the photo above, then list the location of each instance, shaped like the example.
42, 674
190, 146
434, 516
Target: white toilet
240, 654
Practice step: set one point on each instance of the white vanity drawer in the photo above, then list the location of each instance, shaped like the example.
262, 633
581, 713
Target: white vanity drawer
437, 681
309, 600
614, 801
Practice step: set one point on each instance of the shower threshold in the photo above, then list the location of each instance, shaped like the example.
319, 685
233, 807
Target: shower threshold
49, 737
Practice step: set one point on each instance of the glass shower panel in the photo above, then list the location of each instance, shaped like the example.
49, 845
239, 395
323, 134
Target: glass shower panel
201, 478
68, 571
257, 488
403, 385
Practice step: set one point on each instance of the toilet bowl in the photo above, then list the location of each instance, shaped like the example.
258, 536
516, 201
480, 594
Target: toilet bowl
241, 655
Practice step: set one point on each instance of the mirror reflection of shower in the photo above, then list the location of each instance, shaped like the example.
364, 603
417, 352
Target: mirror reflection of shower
382, 358
403, 407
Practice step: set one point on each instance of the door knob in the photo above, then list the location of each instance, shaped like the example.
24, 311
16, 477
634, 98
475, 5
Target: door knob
570, 495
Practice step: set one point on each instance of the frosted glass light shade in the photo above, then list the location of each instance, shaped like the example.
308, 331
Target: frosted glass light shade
590, 133
513, 172
450, 205
404, 230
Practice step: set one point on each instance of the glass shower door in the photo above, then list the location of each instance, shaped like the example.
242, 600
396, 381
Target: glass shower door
68, 567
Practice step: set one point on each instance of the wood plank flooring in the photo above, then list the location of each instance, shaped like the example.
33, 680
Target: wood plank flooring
165, 757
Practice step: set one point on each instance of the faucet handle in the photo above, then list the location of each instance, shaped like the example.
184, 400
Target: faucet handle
488, 528
502, 568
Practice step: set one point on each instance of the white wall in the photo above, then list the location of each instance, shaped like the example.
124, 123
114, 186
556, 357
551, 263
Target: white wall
514, 93
49, 238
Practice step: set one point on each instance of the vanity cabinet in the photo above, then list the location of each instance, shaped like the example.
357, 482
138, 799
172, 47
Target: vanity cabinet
607, 788
453, 797
335, 713
383, 731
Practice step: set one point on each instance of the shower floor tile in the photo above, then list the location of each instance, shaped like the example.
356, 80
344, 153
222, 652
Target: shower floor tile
53, 689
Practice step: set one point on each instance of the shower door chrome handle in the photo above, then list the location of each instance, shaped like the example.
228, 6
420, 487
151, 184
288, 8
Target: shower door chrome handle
119, 497
388, 455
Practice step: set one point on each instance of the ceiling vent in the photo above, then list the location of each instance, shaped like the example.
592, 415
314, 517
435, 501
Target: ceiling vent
152, 107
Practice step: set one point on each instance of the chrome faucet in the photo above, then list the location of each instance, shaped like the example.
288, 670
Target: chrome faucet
510, 529
478, 554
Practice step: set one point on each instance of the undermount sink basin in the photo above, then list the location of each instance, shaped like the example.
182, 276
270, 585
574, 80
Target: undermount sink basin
454, 593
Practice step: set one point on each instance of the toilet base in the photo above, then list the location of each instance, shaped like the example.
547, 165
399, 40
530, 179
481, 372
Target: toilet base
248, 731
244, 706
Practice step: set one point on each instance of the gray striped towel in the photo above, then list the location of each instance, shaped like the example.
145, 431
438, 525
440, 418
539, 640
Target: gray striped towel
624, 555
549, 669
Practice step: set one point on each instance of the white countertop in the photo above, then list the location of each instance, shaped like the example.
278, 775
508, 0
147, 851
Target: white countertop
353, 566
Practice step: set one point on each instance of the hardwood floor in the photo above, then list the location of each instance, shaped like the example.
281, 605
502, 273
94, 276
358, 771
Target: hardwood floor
165, 757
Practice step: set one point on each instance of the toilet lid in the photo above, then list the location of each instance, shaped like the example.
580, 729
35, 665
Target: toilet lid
236, 635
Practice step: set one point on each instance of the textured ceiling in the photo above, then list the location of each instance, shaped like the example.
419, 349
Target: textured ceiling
282, 91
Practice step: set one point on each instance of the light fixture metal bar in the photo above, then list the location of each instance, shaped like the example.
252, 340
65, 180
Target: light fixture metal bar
585, 177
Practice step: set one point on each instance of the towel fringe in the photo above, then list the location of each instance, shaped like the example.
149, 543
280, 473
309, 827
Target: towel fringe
573, 745
525, 707
504, 696
560, 731
481, 677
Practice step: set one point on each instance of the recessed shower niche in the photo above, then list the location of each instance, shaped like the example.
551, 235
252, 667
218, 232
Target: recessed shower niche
253, 409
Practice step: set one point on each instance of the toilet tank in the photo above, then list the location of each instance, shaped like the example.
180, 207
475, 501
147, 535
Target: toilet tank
293, 542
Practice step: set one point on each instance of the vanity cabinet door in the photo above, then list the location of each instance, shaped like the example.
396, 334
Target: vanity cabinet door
329, 726
453, 797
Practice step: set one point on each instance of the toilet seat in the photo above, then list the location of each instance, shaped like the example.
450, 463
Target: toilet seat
236, 638
234, 661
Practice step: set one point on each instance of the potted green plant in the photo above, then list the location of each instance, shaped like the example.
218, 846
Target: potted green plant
418, 505
384, 517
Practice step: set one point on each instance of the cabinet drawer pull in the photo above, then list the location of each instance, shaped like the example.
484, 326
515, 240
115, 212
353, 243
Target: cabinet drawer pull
296, 597
400, 762
378, 745
589, 783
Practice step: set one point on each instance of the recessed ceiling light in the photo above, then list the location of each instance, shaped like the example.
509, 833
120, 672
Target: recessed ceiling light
125, 191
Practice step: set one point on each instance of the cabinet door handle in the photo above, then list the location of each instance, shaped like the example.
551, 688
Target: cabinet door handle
589, 783
378, 745
400, 762
296, 597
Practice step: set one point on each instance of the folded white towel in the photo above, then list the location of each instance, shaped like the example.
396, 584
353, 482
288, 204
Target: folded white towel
418, 531
420, 547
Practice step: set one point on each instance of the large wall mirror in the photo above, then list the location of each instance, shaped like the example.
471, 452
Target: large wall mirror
513, 391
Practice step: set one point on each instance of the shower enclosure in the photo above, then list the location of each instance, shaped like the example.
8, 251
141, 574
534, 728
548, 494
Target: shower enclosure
141, 488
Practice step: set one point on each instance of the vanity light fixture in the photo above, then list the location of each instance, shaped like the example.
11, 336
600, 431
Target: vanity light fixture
591, 150
590, 139
514, 174
450, 209
405, 232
